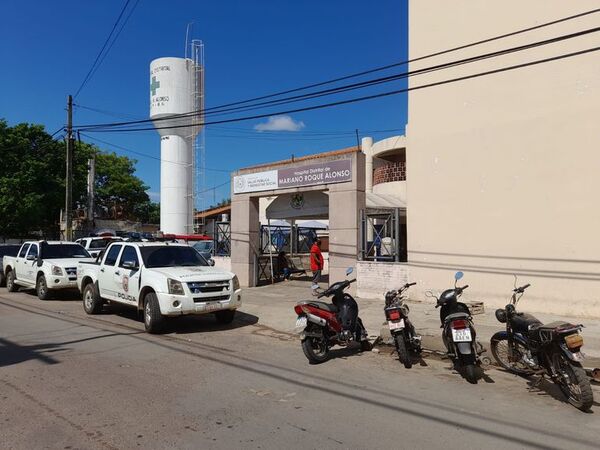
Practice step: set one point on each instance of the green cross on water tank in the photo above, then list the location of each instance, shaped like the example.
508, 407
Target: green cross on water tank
154, 86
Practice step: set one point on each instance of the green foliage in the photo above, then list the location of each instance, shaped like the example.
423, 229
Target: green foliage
32, 182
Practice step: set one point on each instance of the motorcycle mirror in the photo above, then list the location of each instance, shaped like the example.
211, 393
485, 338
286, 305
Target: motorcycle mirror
349, 270
314, 287
458, 275
515, 284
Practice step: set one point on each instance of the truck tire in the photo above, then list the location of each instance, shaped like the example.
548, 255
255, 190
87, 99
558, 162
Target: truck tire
92, 302
154, 321
10, 282
2, 280
225, 316
41, 288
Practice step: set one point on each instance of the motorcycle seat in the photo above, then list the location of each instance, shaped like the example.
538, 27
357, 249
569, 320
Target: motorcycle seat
523, 322
324, 306
454, 316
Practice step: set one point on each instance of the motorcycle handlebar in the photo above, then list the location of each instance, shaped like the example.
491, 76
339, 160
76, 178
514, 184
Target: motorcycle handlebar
463, 288
521, 289
409, 284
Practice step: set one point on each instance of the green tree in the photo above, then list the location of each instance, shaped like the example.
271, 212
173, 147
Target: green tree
118, 190
32, 182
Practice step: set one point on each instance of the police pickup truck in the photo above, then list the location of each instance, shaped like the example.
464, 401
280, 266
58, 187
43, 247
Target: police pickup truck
161, 279
46, 266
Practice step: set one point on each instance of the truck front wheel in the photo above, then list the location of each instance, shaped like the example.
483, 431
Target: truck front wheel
154, 321
41, 287
92, 303
10, 282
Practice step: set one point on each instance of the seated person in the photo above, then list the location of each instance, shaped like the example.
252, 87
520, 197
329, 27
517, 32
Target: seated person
283, 266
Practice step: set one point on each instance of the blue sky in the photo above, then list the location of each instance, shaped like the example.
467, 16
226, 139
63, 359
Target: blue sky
252, 48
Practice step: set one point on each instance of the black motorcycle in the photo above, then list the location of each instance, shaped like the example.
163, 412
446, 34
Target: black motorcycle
458, 331
529, 347
401, 328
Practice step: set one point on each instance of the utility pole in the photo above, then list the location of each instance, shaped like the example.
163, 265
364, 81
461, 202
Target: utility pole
69, 174
90, 189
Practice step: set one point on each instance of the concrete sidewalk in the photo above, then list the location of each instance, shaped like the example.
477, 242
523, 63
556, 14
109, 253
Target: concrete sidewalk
274, 307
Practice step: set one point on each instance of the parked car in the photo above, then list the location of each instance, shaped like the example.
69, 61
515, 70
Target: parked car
7, 250
94, 245
160, 279
46, 266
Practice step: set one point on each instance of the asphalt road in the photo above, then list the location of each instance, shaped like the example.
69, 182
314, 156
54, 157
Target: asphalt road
69, 381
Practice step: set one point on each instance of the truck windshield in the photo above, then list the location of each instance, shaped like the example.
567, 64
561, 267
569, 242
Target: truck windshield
172, 256
58, 251
100, 243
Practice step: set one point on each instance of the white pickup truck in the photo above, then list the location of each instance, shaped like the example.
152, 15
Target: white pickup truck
46, 266
160, 279
95, 245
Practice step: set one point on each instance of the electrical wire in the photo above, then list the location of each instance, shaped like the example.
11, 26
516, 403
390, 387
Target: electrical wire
364, 98
120, 147
217, 108
116, 37
89, 74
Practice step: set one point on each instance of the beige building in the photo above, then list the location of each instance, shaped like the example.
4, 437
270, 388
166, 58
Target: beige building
504, 170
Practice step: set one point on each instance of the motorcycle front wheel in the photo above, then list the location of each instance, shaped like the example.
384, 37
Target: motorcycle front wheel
499, 349
403, 354
315, 349
573, 382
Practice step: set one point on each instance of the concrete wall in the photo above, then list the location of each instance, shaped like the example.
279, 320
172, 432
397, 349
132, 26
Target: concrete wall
223, 262
374, 279
345, 202
503, 169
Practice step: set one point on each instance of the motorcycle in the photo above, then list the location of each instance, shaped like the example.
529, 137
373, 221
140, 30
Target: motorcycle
528, 347
322, 324
458, 333
401, 328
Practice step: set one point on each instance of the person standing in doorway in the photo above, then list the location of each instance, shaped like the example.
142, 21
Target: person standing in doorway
316, 261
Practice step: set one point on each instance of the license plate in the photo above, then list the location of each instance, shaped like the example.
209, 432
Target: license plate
301, 322
396, 325
213, 306
461, 335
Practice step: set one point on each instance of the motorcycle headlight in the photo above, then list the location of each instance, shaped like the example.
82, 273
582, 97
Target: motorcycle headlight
236, 283
175, 287
57, 271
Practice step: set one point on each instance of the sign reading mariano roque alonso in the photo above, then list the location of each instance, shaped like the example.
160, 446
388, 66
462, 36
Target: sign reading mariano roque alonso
337, 171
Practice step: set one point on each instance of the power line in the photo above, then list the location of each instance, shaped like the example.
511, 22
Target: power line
146, 155
116, 37
368, 97
89, 74
214, 110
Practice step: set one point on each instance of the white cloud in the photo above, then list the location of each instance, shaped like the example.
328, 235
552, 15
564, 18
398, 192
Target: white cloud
154, 196
280, 123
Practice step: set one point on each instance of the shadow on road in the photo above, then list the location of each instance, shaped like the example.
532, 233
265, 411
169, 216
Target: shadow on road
204, 323
12, 353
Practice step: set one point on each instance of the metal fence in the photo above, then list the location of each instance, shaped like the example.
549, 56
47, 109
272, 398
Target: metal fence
283, 238
222, 239
383, 236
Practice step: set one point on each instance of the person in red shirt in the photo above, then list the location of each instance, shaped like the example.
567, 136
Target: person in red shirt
316, 261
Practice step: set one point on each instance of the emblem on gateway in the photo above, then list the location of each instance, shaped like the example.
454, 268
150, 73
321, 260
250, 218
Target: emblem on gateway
297, 201
240, 183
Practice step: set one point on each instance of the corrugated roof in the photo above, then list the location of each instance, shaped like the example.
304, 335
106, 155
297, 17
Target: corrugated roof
214, 211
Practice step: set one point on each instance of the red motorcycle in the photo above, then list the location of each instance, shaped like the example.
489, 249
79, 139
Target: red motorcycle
324, 325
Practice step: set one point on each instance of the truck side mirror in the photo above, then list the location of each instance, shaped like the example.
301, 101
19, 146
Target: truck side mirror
131, 265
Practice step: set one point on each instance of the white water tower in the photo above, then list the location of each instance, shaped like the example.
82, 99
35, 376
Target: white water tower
175, 88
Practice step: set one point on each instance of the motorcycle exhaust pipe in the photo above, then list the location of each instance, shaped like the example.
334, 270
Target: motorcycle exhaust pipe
315, 319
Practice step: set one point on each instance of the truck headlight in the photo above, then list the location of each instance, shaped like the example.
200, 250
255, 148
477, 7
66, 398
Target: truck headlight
175, 287
57, 271
236, 283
